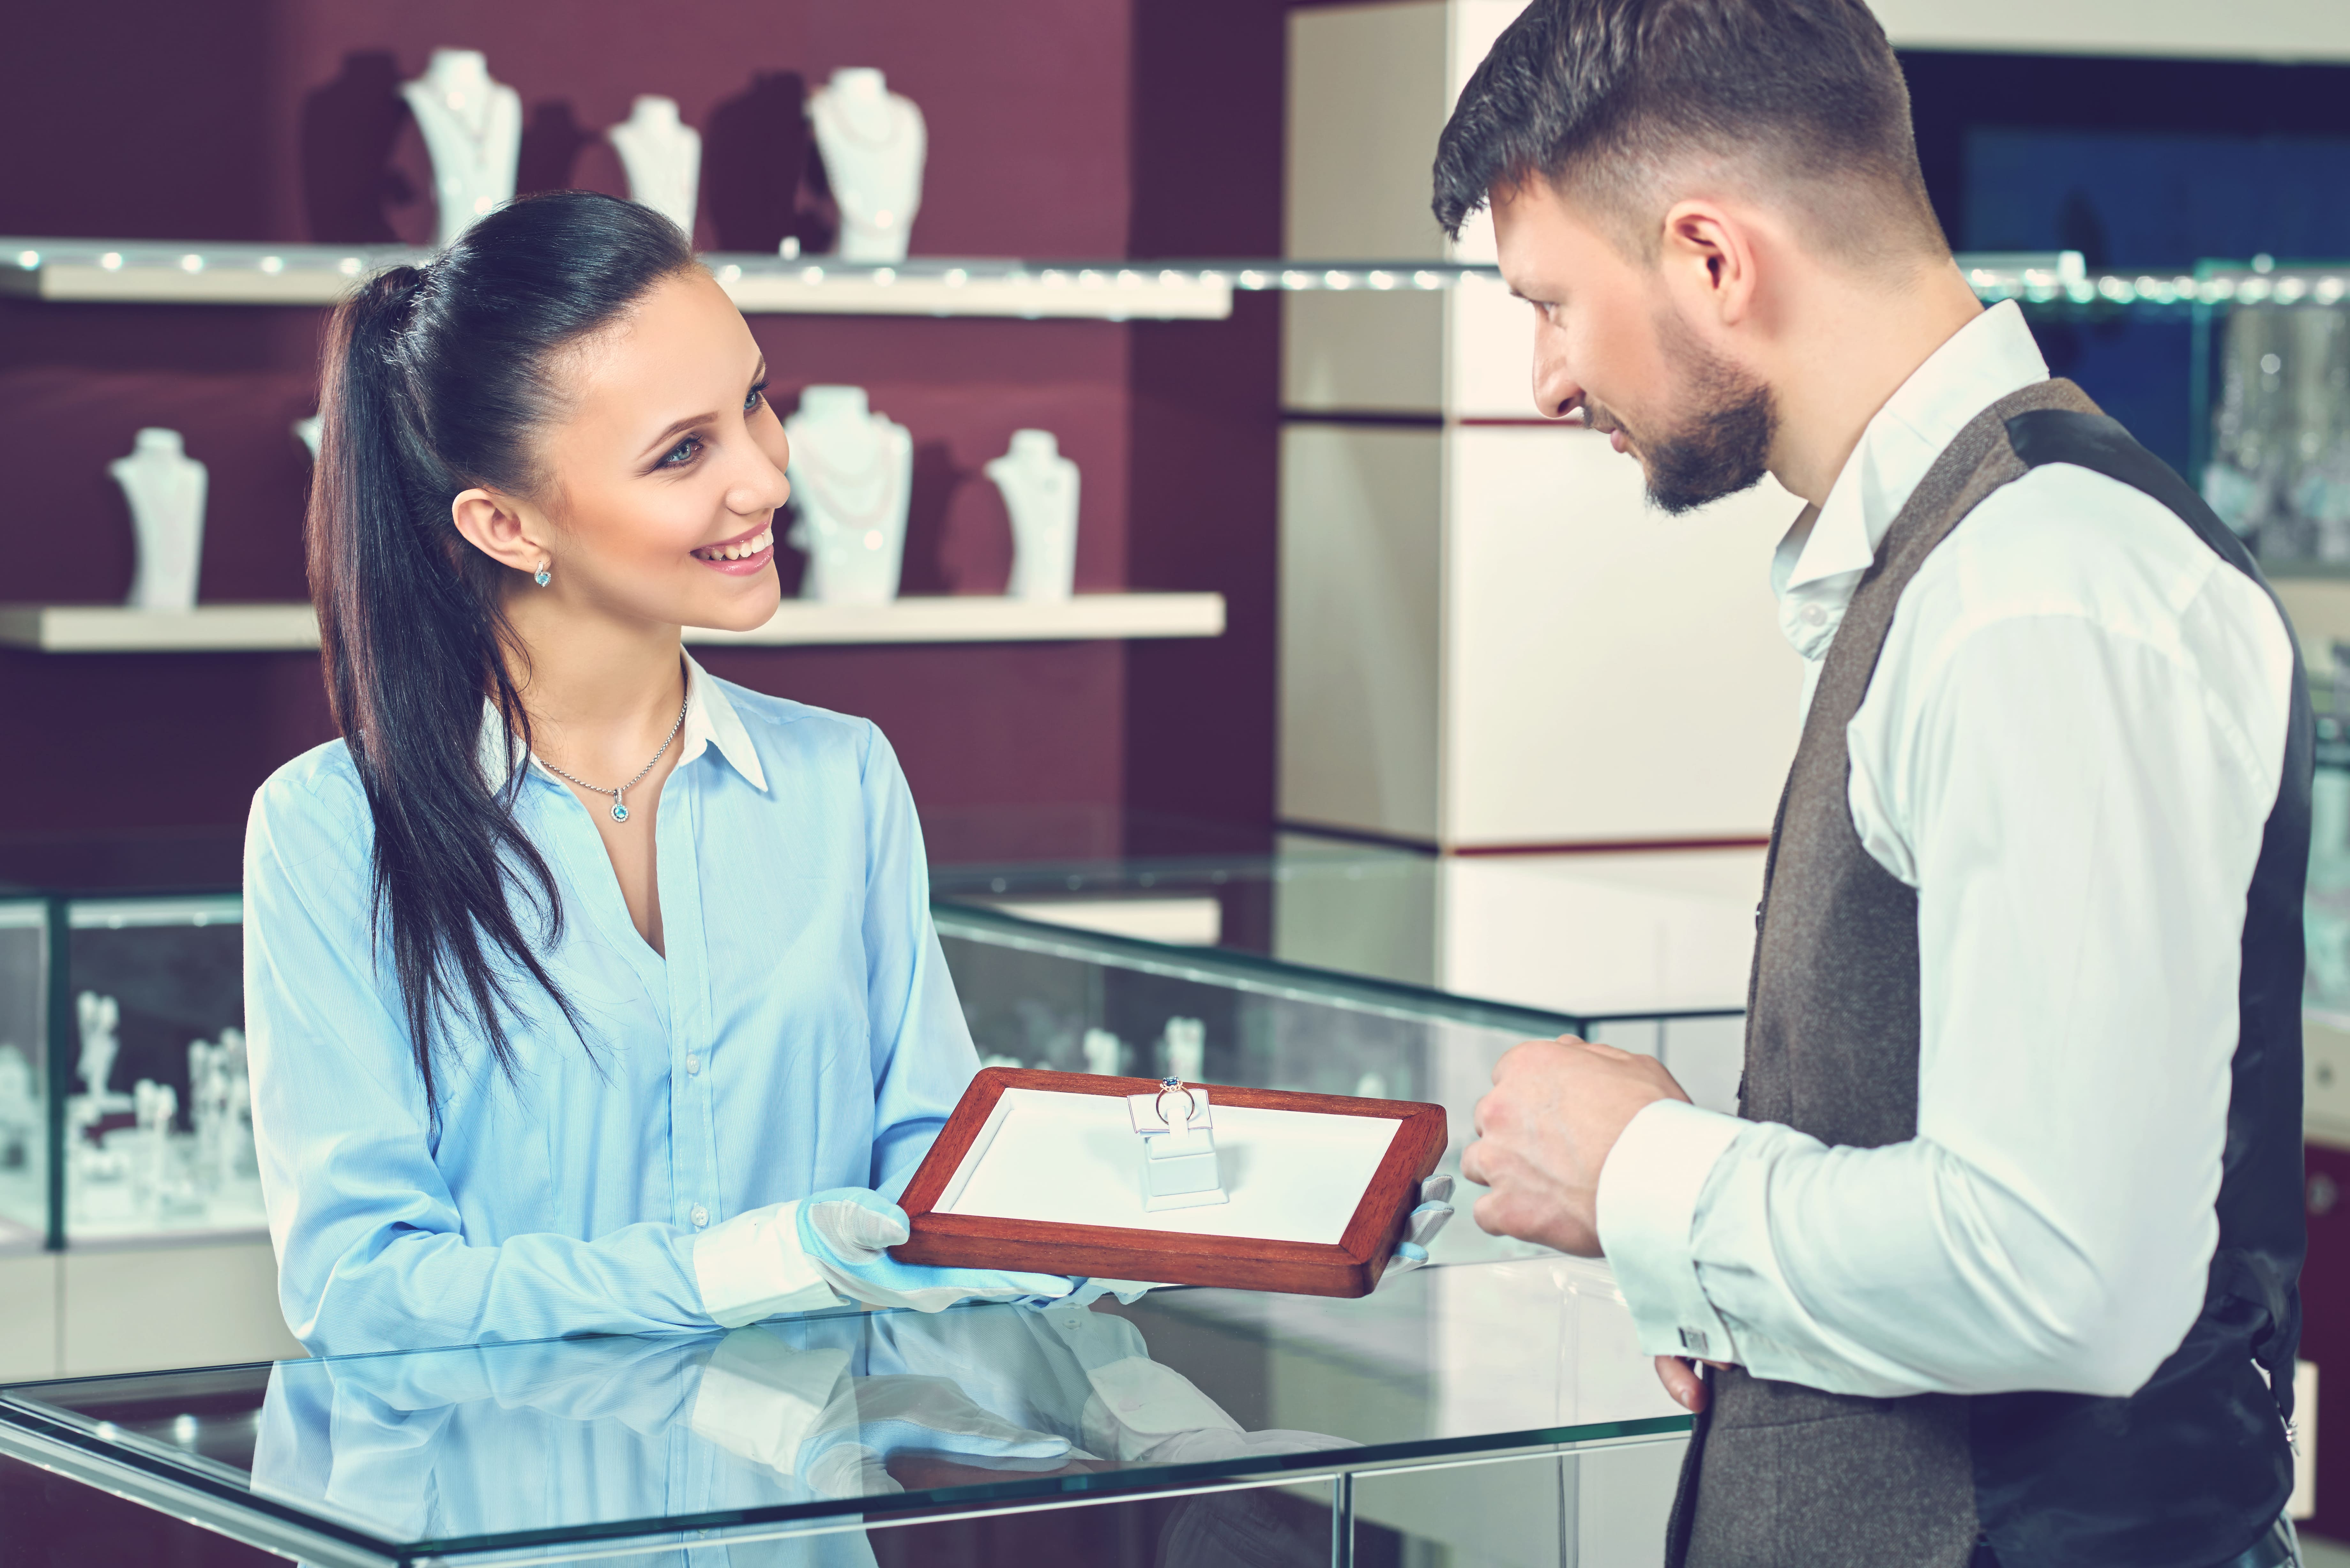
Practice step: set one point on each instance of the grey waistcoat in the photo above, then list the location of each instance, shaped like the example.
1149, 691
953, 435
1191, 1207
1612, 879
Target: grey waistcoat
2192, 1468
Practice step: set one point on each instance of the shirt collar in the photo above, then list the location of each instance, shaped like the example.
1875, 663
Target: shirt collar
1983, 362
710, 721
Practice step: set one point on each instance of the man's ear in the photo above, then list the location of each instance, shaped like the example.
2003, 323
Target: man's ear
1709, 261
494, 524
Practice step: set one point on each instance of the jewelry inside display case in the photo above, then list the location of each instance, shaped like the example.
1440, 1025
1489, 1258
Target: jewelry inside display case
125, 1106
2273, 393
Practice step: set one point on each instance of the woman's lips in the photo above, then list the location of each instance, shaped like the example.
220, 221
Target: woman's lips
1616, 439
741, 557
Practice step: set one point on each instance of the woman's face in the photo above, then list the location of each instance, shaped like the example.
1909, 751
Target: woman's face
664, 470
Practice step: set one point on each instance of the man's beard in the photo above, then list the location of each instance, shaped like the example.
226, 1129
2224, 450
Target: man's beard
1723, 443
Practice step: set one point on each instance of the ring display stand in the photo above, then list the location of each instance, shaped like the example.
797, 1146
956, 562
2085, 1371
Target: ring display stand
1042, 1172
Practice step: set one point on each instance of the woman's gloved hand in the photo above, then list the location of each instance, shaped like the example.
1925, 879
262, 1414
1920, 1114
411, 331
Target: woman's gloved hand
1434, 1211
846, 1234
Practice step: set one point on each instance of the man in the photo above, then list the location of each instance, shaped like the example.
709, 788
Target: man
1998, 1264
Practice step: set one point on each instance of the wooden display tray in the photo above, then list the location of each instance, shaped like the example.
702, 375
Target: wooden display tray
1349, 1267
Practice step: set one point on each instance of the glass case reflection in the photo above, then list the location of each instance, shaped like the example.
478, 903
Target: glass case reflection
783, 1438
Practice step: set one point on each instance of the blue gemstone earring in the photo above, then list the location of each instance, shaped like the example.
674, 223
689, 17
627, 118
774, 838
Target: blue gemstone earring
540, 575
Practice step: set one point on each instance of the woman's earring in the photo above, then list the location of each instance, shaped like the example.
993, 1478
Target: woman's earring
540, 575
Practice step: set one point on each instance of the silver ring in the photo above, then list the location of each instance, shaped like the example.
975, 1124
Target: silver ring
1174, 1086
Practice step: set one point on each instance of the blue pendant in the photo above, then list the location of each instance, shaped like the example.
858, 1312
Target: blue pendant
619, 812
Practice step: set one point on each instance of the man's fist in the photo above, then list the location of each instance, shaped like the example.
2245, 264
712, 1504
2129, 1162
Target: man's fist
1544, 1133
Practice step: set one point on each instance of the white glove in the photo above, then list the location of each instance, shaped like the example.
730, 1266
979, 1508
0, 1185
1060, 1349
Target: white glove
1434, 1212
846, 1234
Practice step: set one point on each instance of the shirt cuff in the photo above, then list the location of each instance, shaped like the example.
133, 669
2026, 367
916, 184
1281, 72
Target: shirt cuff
752, 1267
1647, 1201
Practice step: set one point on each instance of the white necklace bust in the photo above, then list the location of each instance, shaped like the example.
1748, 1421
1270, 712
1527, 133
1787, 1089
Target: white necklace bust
852, 473
101, 1016
1040, 492
165, 488
664, 157
873, 142
473, 128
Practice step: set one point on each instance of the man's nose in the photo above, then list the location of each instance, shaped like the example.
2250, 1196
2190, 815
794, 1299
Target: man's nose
1557, 393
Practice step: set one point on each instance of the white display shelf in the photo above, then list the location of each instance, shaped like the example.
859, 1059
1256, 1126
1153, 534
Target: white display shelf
212, 273
1106, 291
973, 618
208, 273
270, 627
111, 628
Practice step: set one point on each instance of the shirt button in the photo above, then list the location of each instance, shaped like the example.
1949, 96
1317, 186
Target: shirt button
1814, 616
701, 1217
693, 1064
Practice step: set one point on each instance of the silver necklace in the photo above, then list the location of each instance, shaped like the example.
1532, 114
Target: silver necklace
619, 795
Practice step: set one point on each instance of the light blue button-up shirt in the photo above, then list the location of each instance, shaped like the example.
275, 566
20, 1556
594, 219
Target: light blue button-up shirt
801, 1034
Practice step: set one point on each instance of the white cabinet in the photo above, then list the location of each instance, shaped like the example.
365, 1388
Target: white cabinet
2240, 29
139, 1309
28, 1316
1488, 639
143, 1309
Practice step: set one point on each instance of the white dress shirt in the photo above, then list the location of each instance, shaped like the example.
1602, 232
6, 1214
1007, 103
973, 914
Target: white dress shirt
2070, 747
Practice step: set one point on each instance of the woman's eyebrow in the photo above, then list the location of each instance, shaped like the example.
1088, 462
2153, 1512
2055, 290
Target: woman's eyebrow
678, 427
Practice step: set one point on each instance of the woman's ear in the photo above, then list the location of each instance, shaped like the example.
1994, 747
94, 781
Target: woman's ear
494, 524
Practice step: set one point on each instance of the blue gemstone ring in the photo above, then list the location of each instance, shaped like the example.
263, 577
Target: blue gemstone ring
1171, 1084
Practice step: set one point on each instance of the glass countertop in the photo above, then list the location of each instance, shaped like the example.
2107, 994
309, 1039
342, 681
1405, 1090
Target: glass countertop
812, 1434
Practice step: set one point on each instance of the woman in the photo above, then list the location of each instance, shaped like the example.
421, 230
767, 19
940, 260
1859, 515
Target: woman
585, 992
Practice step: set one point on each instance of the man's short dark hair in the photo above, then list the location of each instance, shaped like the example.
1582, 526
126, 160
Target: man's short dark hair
1608, 99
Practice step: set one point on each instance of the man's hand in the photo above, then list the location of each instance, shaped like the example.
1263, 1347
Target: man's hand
1682, 1380
1557, 1109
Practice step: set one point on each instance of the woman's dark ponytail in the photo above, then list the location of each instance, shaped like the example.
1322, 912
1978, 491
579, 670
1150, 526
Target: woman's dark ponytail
436, 379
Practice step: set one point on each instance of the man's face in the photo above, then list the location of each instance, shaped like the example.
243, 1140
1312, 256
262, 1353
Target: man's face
1611, 339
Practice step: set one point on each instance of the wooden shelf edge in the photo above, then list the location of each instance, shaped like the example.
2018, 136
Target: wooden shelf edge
292, 628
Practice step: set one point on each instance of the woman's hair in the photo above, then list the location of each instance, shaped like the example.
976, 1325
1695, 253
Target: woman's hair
438, 378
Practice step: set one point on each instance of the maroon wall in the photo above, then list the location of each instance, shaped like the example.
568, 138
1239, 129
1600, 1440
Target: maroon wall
1058, 128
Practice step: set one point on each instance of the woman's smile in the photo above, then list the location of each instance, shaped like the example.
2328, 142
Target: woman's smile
743, 554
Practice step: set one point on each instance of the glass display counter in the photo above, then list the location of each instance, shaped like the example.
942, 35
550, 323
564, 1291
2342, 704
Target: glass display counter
1192, 884
157, 1125
1454, 1407
124, 1111
1045, 996
23, 1074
